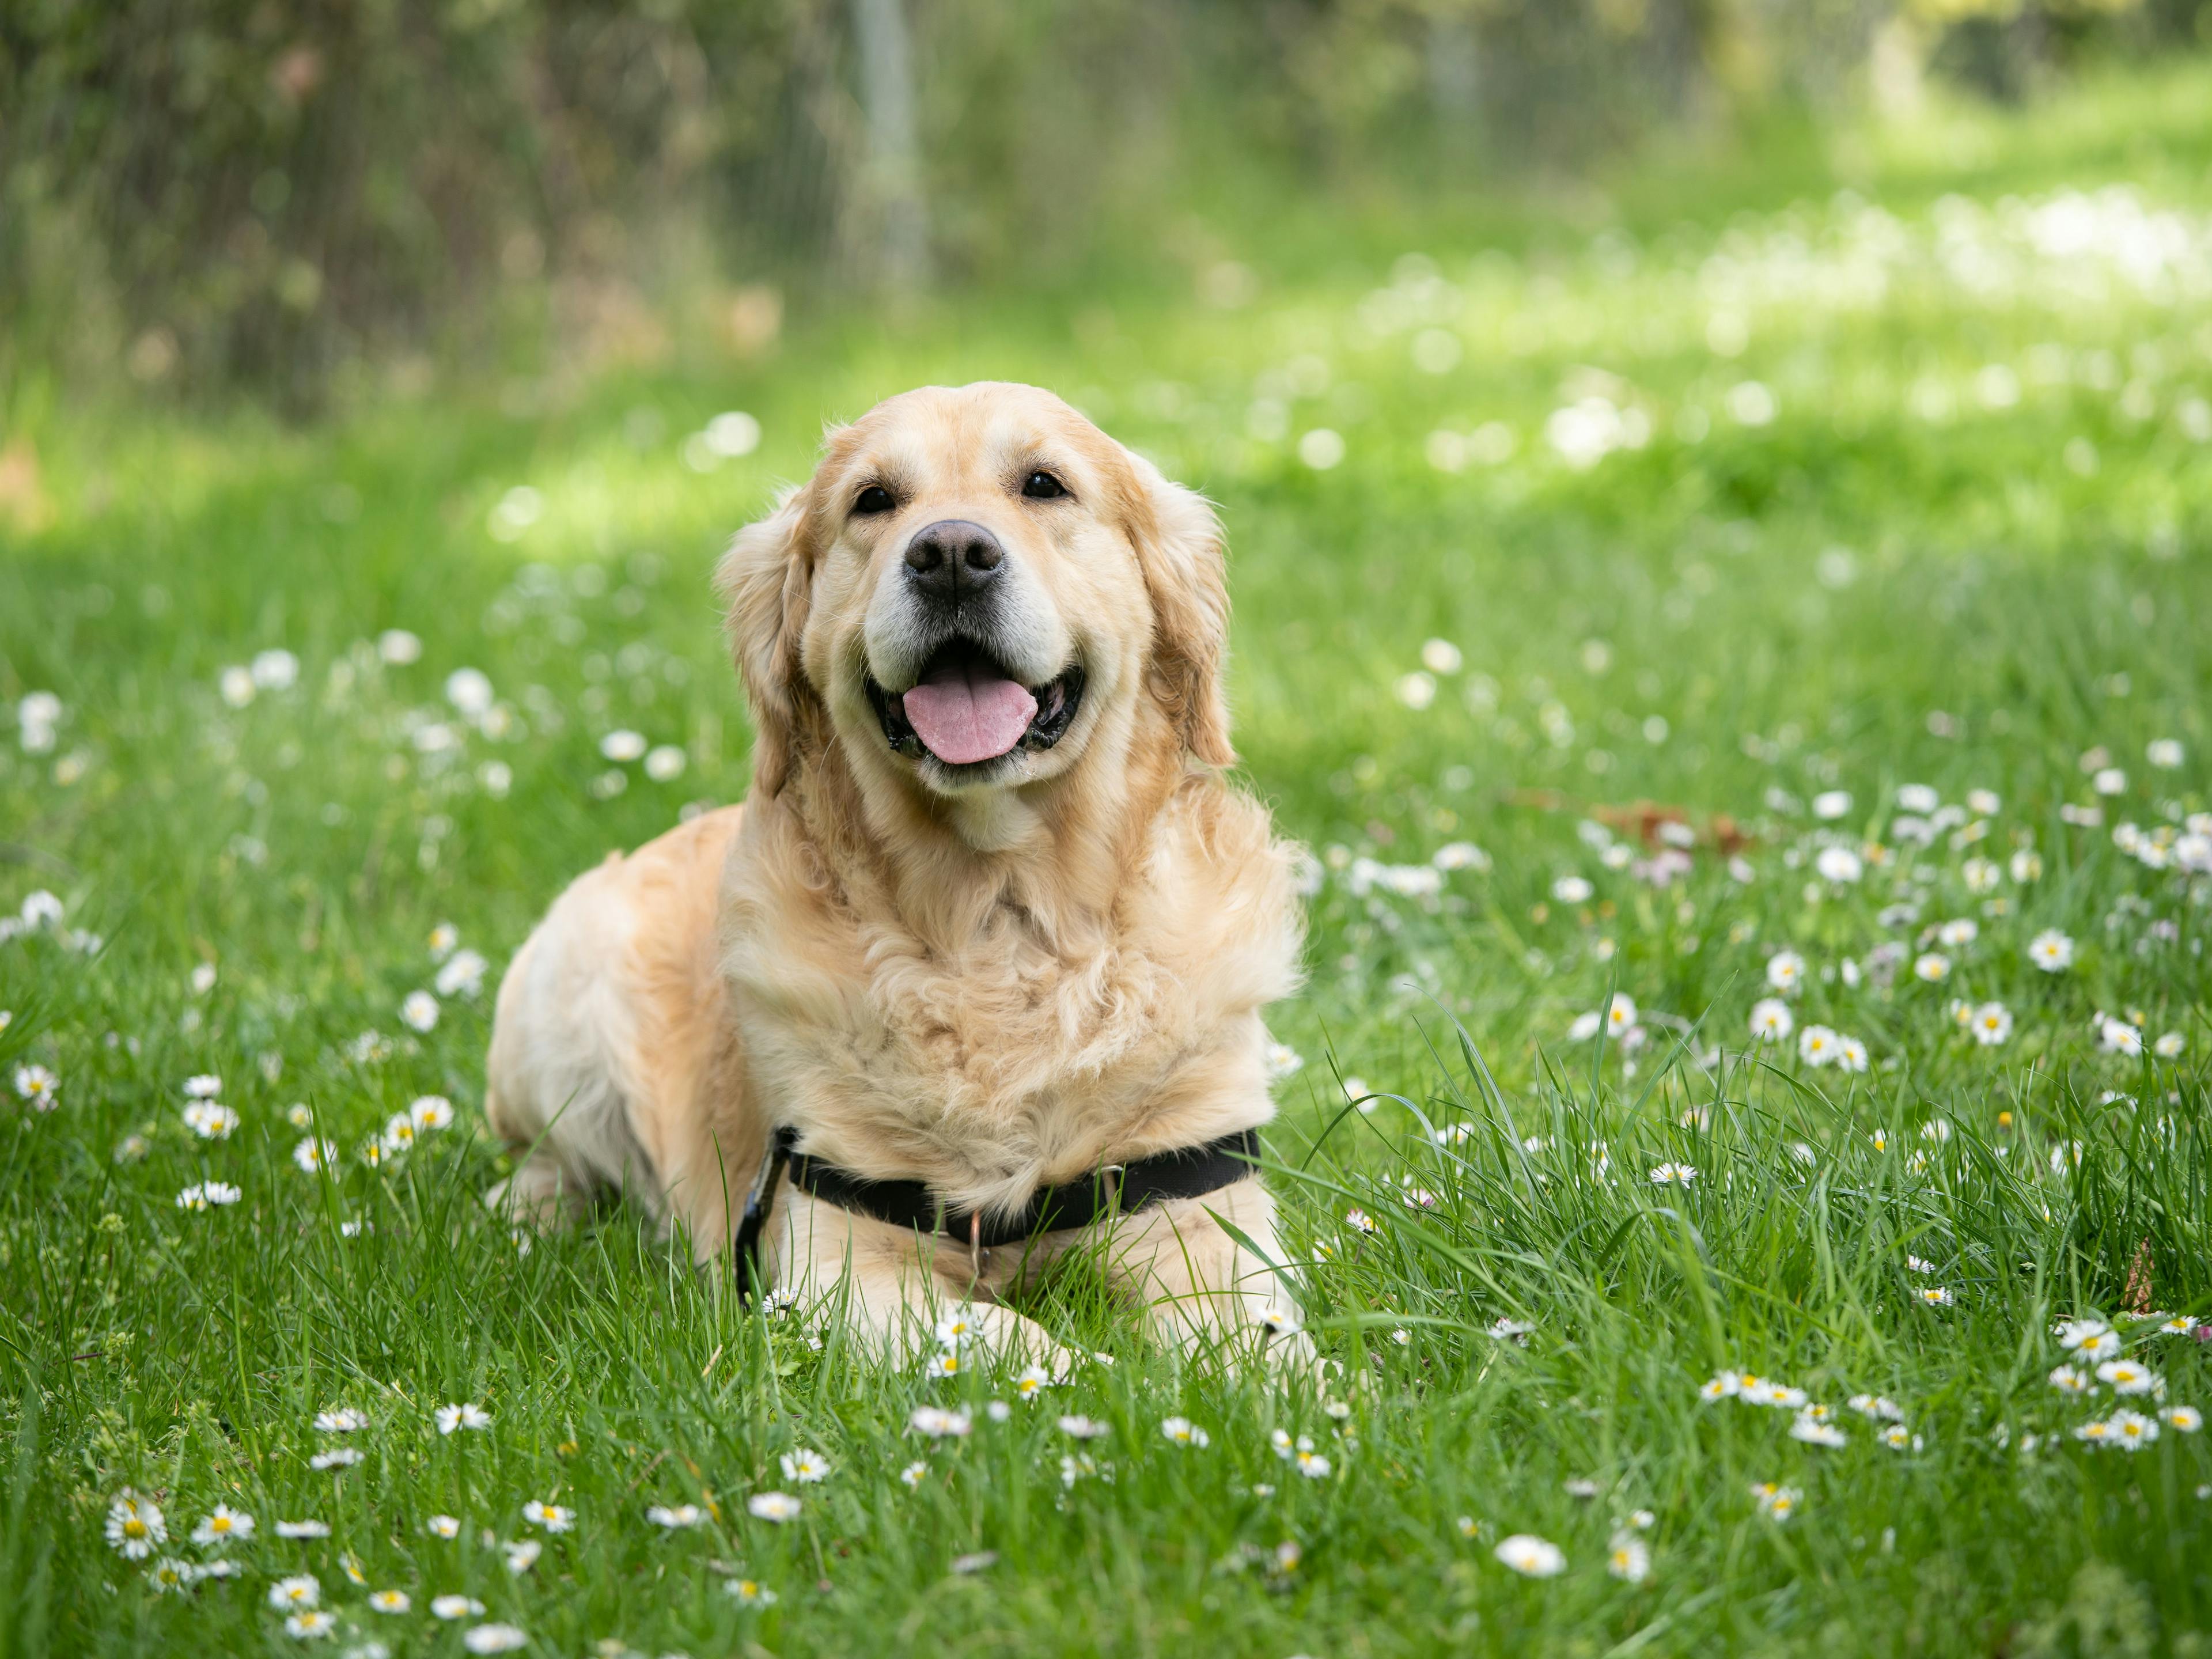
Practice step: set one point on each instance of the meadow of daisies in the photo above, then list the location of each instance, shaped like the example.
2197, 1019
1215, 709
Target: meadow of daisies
1737, 654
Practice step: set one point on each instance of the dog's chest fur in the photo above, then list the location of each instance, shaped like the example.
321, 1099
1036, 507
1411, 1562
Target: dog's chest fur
1045, 1041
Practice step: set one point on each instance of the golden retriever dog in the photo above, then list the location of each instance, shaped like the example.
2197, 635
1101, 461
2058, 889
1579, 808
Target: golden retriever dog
989, 921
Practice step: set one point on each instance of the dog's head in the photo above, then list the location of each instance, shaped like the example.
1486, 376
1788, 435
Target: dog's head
974, 587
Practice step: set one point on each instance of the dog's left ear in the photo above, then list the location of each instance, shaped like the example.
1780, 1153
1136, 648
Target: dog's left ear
1179, 549
766, 580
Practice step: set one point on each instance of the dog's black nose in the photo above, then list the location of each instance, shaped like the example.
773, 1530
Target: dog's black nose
953, 560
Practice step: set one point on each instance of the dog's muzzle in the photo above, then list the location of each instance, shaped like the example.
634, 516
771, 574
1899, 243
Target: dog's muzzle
965, 709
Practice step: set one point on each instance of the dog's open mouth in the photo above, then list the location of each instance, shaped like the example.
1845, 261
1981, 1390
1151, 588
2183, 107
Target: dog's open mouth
966, 710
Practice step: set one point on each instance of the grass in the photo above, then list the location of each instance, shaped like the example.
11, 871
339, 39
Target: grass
1962, 538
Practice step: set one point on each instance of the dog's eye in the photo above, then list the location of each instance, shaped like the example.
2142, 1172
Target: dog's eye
874, 499
1042, 486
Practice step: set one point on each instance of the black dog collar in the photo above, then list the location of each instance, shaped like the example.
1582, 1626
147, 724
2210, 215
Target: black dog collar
1187, 1172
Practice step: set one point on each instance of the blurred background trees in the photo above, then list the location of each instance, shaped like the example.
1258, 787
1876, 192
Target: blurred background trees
208, 194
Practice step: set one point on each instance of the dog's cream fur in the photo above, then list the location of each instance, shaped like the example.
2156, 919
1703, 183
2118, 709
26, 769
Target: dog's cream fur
986, 987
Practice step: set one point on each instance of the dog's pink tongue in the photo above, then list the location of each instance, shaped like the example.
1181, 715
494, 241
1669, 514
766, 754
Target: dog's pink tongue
965, 714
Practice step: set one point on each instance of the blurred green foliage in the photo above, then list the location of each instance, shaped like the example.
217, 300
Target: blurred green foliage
214, 193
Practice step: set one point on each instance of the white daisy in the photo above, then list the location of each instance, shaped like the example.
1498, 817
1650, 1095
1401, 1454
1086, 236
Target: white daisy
1628, 1557
300, 1590
222, 1525
1785, 972
454, 1606
210, 1119
2051, 950
430, 1112
1838, 864
418, 1011
1771, 1021
1032, 1382
1777, 1502
939, 1424
2128, 1377
675, 1517
135, 1526
775, 1506
552, 1517
1531, 1556
2131, 1430
1813, 1432
451, 1418
461, 975
1184, 1433
805, 1466
169, 1575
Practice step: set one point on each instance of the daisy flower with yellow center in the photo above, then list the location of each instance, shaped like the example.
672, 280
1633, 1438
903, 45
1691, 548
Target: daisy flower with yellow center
2051, 950
2129, 1376
1628, 1557
223, 1524
300, 1590
1777, 1502
135, 1526
1530, 1556
1033, 1381
2132, 1430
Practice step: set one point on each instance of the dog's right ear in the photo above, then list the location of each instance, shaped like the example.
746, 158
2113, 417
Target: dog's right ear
765, 579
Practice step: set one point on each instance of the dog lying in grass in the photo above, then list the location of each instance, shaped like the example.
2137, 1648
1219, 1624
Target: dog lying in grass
974, 976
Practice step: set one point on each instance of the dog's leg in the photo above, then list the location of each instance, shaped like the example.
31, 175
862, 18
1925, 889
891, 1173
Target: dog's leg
1203, 1289
540, 1193
895, 1290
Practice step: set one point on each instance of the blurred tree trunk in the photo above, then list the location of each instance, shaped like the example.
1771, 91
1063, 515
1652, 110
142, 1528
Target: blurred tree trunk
891, 189
1454, 74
